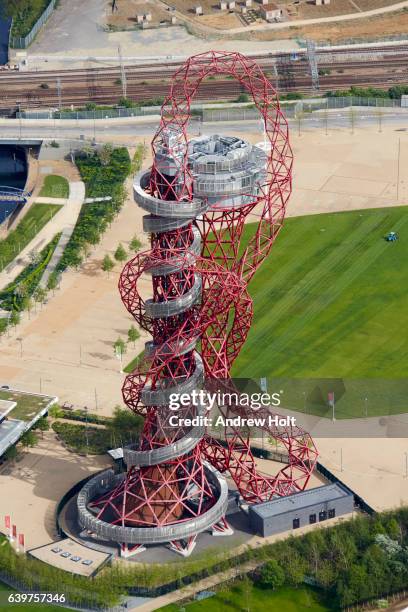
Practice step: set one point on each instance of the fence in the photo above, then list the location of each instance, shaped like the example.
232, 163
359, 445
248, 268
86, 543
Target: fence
108, 113
22, 43
290, 110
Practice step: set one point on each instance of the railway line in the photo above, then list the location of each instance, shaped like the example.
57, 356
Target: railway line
151, 81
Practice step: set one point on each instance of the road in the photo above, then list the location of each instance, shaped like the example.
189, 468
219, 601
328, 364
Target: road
146, 126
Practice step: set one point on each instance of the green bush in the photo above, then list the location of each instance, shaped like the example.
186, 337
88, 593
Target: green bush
25, 14
35, 219
84, 439
100, 180
15, 296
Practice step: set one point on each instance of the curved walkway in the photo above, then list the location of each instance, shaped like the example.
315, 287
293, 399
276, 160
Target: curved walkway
64, 221
73, 207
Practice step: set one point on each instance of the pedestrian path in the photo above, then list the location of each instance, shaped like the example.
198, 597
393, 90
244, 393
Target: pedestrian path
74, 205
63, 221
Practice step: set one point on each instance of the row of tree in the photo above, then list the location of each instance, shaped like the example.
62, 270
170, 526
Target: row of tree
394, 92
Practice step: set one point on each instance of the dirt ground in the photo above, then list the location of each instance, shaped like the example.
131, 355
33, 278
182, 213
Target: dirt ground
127, 10
365, 29
308, 10
31, 488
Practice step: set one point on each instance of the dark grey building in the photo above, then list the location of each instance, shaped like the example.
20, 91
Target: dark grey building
300, 509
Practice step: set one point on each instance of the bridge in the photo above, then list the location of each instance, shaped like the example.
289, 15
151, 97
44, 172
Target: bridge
13, 194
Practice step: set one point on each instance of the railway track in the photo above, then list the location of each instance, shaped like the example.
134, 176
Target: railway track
150, 81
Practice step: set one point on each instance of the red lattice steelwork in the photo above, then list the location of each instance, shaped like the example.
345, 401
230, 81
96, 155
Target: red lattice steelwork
179, 489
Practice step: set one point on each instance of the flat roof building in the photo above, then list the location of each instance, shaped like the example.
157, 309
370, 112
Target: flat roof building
301, 509
270, 11
19, 411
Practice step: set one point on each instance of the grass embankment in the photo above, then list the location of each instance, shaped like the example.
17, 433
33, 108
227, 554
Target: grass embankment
55, 186
36, 218
25, 15
248, 596
331, 301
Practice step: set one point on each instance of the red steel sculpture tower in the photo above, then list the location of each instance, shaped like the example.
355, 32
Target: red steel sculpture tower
198, 195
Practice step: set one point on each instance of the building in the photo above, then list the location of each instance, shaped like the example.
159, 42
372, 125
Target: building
270, 11
19, 412
301, 509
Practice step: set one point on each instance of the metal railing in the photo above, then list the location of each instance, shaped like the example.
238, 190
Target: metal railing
18, 42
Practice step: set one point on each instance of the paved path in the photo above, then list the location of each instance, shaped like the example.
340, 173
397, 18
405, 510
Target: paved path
73, 206
64, 221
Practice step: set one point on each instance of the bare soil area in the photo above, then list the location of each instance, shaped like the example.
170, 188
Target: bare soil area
374, 27
125, 17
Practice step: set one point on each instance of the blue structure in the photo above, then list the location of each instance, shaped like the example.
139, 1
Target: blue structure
391, 237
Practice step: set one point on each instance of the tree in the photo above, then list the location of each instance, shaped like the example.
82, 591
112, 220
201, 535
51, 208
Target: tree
15, 318
120, 253
126, 103
53, 282
135, 244
11, 453
21, 291
125, 422
107, 264
13, 7
243, 97
34, 257
133, 335
295, 568
105, 154
272, 575
55, 411
120, 349
28, 305
29, 439
39, 295
42, 425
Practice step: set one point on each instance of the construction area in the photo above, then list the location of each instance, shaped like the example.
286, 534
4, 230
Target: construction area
230, 14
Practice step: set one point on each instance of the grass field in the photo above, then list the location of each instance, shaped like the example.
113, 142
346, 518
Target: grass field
55, 187
331, 300
256, 599
26, 230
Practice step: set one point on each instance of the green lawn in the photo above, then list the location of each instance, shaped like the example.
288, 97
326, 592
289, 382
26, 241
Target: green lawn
26, 230
256, 599
331, 300
4, 605
55, 187
132, 364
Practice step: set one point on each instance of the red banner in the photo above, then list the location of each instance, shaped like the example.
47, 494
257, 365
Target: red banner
7, 521
21, 541
14, 531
